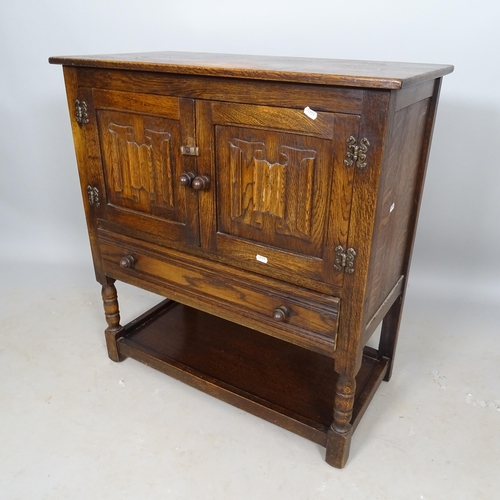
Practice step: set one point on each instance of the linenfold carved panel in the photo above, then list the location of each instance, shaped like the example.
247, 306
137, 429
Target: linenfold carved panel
273, 188
139, 161
283, 190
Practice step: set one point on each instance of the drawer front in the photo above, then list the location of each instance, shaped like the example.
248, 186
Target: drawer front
284, 311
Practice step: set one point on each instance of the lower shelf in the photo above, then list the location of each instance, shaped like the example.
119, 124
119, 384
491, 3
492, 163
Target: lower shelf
279, 382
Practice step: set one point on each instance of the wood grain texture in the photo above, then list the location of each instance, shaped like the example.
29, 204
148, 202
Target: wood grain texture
275, 188
399, 193
114, 331
368, 74
148, 104
302, 224
396, 201
285, 384
392, 321
221, 291
296, 164
269, 117
89, 167
140, 139
271, 93
364, 200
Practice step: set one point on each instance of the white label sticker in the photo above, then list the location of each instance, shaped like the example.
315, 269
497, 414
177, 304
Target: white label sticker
392, 207
261, 258
310, 113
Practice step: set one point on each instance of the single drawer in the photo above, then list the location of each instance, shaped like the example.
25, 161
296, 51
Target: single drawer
291, 313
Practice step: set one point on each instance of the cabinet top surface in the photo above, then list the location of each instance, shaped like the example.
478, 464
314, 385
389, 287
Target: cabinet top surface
368, 74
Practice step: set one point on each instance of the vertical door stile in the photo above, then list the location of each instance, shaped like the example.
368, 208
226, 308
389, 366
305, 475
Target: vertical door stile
208, 198
189, 165
341, 195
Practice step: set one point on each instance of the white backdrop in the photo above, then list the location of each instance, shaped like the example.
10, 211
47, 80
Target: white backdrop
41, 215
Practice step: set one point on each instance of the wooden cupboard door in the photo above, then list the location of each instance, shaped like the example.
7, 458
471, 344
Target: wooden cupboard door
282, 190
140, 137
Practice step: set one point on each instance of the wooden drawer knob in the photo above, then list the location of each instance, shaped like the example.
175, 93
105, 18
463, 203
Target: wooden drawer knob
201, 182
281, 314
127, 262
186, 178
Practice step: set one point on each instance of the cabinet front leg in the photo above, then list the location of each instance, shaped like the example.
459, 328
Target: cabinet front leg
340, 432
114, 330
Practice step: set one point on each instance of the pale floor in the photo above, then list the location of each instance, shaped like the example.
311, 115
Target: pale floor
75, 425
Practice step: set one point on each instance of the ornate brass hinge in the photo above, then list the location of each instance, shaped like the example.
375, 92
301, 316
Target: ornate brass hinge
356, 155
344, 261
93, 194
190, 150
81, 115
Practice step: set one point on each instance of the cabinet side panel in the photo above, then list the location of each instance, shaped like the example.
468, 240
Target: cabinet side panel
400, 189
89, 169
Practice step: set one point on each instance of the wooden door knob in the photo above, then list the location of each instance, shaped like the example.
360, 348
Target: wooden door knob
201, 182
281, 314
186, 178
127, 262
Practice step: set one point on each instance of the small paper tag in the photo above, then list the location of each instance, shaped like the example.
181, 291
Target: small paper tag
310, 113
261, 258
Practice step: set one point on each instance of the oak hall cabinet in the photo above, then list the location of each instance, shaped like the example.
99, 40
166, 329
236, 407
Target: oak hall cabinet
274, 202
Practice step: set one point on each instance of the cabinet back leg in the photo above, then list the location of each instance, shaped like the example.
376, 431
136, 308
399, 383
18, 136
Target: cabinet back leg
114, 330
389, 333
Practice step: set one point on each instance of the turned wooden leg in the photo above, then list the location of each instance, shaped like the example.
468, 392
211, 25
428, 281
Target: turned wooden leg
340, 432
112, 313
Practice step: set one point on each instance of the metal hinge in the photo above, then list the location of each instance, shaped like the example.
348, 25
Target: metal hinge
93, 194
81, 115
356, 155
190, 150
344, 261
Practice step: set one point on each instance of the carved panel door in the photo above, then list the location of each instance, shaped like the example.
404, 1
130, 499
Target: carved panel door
140, 137
283, 191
